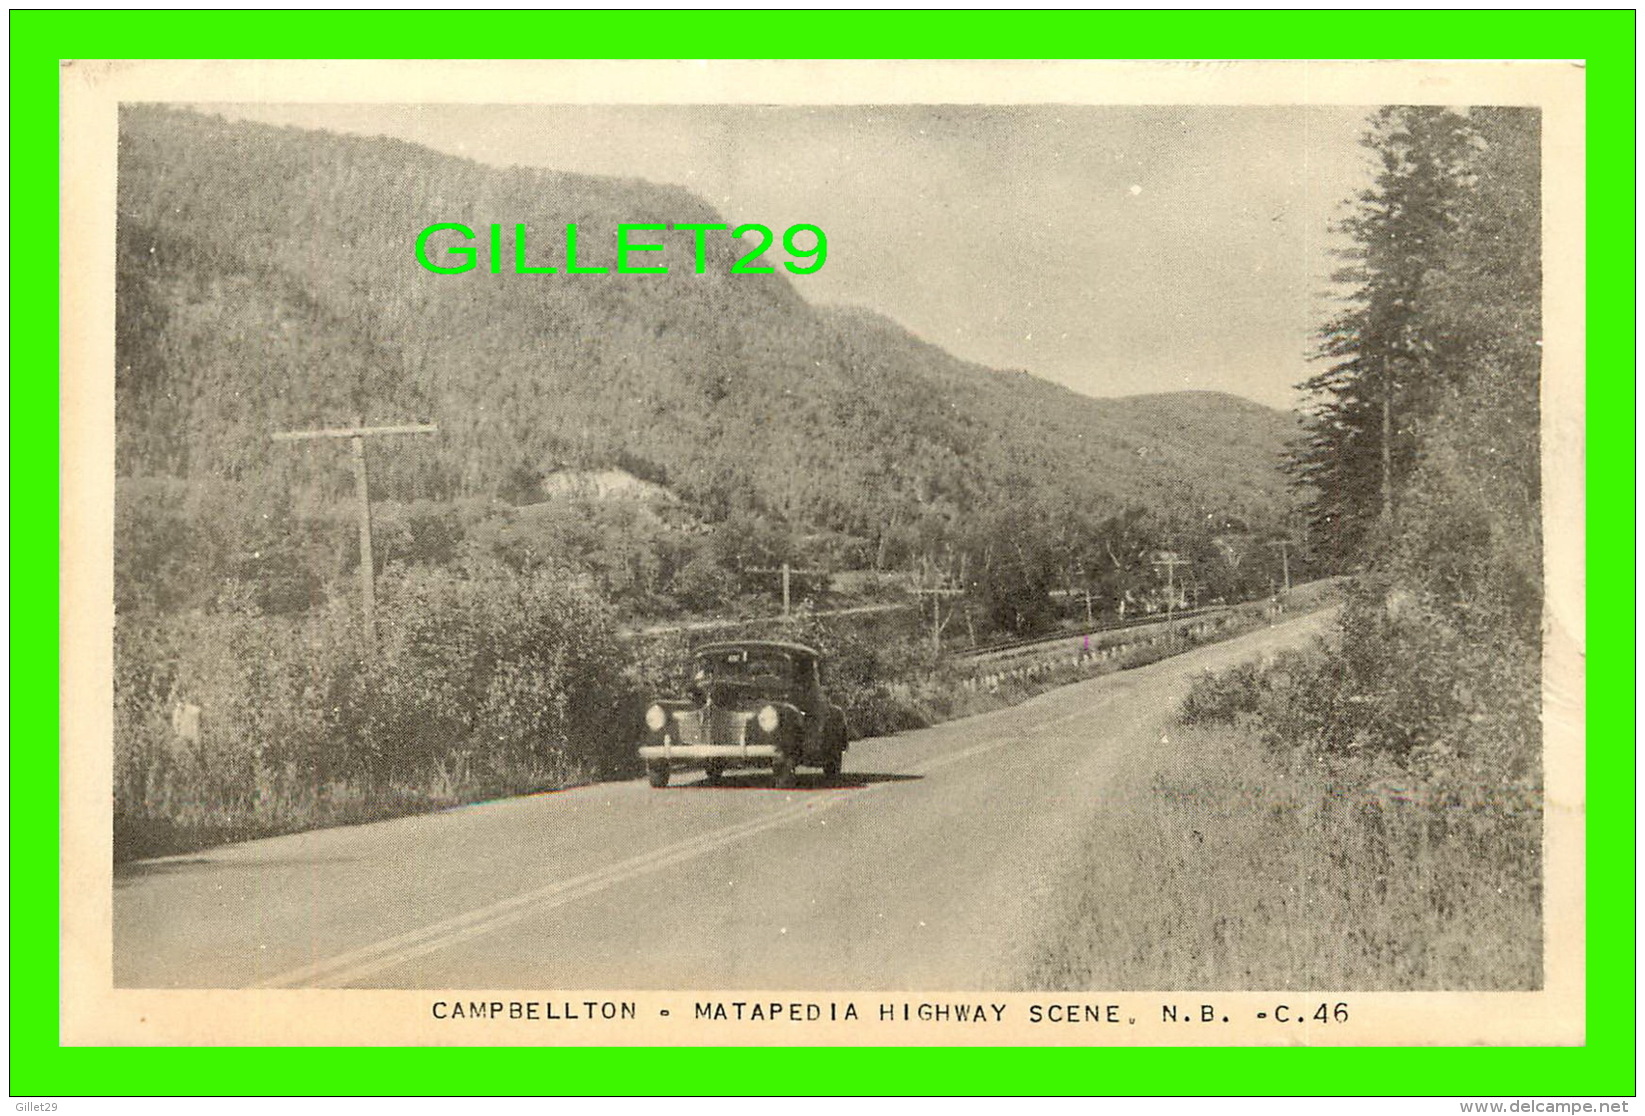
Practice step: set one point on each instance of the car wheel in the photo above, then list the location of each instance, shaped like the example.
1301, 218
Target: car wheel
836, 745
712, 772
658, 774
782, 773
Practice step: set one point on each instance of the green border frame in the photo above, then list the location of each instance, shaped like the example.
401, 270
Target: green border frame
1604, 39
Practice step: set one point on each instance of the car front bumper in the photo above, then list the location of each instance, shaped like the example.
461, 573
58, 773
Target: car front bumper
730, 753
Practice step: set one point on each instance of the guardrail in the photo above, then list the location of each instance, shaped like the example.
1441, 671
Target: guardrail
1112, 648
1150, 620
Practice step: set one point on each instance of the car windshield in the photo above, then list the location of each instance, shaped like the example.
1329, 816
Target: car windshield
744, 664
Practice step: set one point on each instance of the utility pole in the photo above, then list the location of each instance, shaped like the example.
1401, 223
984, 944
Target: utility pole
357, 435
1170, 561
1284, 546
787, 570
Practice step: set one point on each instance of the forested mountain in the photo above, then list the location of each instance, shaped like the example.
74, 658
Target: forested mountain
267, 281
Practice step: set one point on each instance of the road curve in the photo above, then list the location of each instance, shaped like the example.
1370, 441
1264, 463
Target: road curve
925, 867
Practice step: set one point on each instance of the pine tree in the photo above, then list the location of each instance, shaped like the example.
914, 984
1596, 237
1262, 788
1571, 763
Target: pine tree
1360, 444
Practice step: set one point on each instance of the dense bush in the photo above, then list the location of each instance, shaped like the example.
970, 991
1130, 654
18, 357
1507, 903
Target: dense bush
268, 695
1223, 697
482, 684
496, 665
1398, 682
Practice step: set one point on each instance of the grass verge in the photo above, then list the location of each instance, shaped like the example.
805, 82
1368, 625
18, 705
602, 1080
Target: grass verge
1220, 863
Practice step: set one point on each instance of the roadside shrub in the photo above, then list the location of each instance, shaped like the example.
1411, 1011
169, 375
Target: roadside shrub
233, 724
1403, 678
1220, 698
225, 723
497, 663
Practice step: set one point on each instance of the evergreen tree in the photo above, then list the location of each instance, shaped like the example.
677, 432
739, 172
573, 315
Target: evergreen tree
1361, 438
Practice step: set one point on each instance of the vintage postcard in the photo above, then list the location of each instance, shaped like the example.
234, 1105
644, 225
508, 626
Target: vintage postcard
822, 553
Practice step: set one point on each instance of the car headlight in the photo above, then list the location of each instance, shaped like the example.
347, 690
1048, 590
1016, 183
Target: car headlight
655, 718
768, 719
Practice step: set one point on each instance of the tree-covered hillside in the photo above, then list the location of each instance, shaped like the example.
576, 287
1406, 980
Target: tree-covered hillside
267, 282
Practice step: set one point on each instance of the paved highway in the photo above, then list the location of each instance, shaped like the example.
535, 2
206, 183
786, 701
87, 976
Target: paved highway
927, 866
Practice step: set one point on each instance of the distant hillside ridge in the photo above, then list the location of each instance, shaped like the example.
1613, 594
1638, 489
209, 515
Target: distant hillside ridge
266, 282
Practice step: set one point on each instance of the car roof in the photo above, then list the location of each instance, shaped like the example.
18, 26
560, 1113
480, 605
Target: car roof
757, 644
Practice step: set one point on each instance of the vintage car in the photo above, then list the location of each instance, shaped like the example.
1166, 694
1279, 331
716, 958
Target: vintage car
753, 703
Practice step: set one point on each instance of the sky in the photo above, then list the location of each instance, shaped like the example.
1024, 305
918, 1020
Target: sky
1116, 250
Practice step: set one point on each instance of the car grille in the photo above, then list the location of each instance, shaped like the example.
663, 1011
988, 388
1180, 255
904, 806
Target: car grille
711, 726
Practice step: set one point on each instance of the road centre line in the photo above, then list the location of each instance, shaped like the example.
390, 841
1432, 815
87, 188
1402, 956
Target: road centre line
392, 951
368, 960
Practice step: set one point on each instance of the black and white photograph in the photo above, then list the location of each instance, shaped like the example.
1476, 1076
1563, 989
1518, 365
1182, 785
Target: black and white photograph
826, 553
